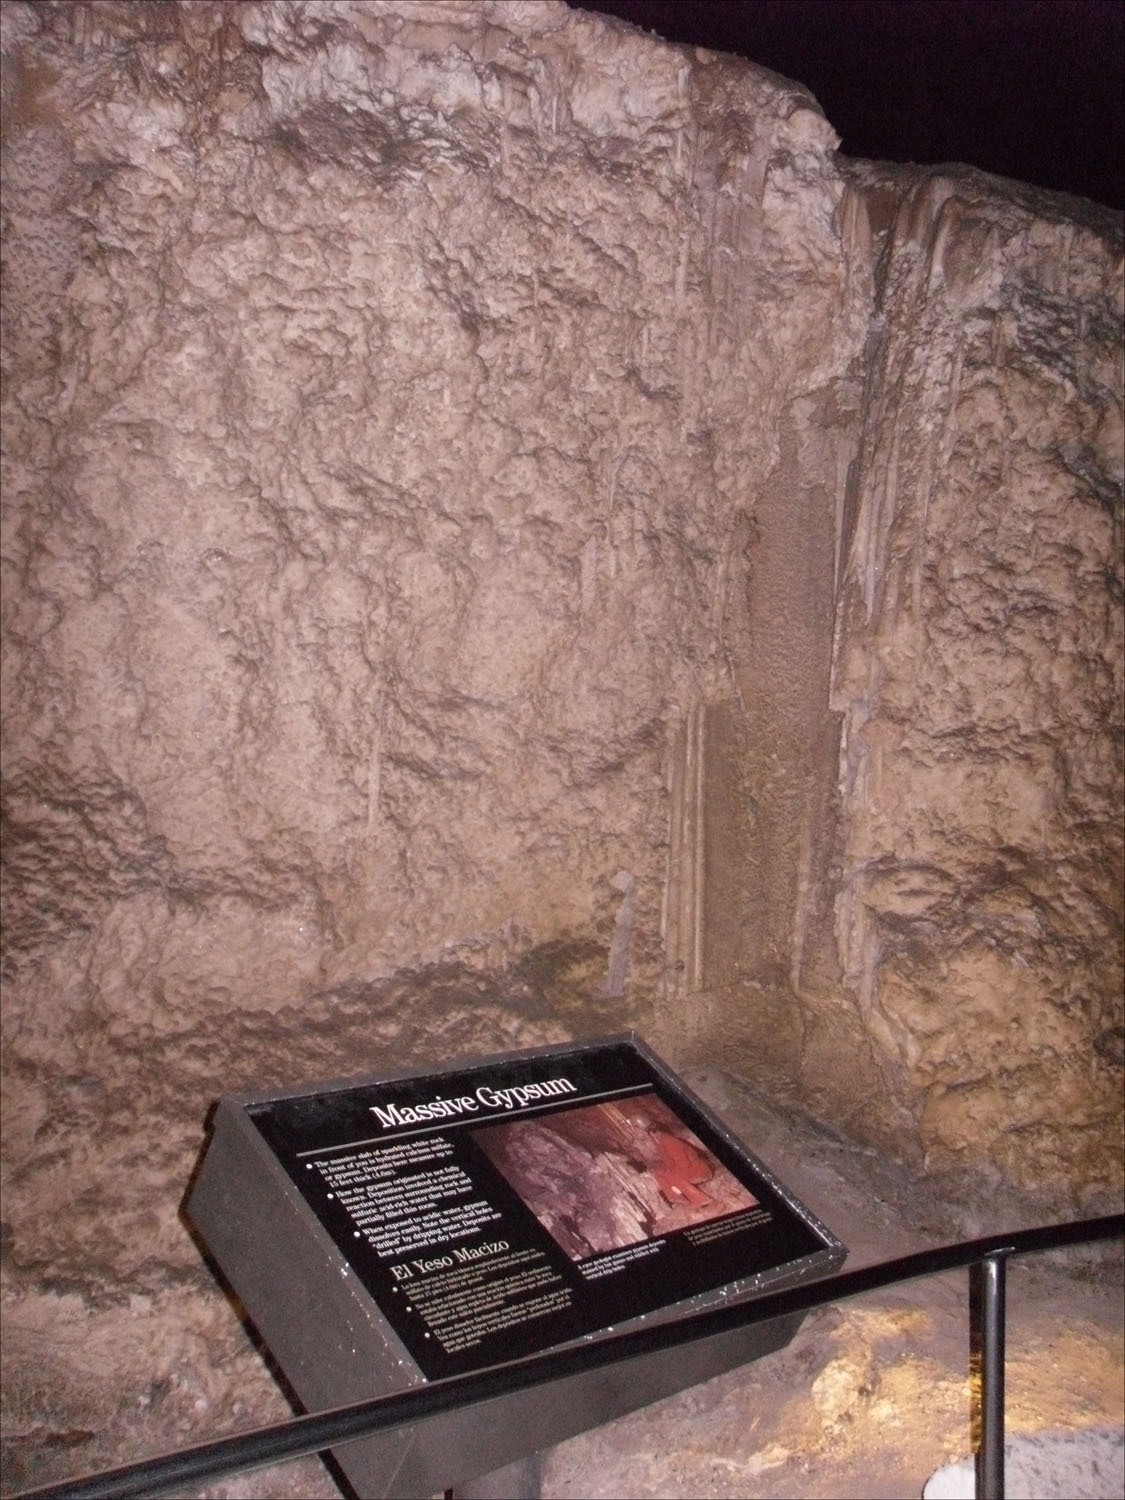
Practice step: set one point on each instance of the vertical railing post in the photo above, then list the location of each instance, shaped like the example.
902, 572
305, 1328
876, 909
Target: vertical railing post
990, 1342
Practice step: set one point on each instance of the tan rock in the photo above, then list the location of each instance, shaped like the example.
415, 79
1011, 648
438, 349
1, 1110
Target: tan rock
505, 536
978, 671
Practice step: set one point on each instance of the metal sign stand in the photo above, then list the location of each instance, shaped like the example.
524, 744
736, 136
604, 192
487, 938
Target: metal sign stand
386, 1233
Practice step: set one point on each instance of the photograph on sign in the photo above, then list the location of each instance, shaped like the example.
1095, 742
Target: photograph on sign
605, 1176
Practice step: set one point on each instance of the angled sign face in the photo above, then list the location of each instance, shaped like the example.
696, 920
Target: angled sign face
501, 1209
383, 1232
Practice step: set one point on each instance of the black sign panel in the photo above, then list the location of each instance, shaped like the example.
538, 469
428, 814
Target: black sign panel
498, 1210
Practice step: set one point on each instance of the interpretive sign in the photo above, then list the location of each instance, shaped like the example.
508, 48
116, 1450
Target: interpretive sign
502, 1209
383, 1232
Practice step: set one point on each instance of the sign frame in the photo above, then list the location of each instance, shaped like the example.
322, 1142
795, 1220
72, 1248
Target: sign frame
316, 1202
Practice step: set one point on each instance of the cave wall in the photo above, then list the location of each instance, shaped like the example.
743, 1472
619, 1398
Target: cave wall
508, 536
402, 389
978, 673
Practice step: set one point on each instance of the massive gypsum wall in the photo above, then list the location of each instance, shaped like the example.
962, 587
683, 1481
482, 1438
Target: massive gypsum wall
389, 392
978, 672
506, 535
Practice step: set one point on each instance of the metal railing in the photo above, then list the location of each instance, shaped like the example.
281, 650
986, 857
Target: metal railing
311, 1434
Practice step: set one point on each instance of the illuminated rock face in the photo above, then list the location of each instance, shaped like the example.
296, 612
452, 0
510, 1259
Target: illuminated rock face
978, 676
491, 499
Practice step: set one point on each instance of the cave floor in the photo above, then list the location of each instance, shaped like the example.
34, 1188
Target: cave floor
873, 1395
869, 1399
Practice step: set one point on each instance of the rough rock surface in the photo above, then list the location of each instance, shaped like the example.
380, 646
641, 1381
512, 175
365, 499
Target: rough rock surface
978, 673
507, 536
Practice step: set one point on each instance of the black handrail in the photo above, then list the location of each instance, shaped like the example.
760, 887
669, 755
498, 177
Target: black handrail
311, 1434
990, 1343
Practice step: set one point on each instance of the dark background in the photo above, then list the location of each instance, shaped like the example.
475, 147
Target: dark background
1030, 89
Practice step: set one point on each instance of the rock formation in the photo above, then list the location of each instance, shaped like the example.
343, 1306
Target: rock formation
506, 536
978, 673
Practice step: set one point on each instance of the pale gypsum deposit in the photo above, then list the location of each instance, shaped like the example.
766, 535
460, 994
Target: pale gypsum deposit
508, 536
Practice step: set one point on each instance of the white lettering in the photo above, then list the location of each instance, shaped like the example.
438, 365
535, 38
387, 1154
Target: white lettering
441, 1263
480, 1251
519, 1096
387, 1117
418, 1114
